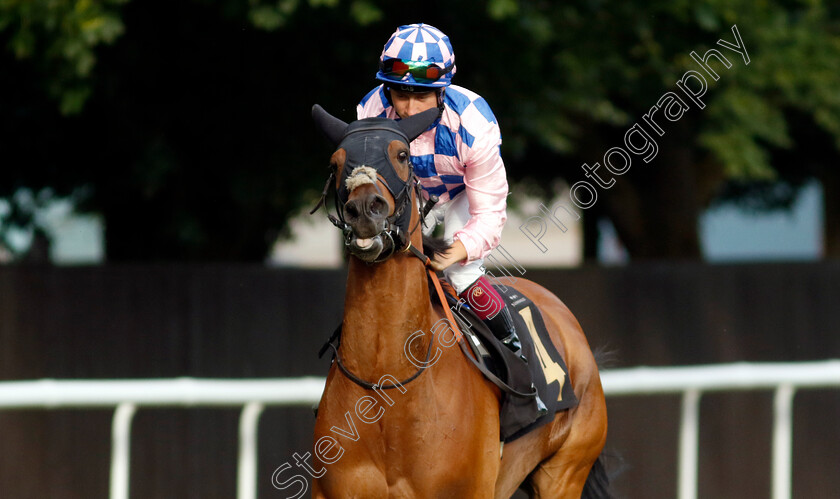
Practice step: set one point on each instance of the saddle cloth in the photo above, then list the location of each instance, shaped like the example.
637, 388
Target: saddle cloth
546, 370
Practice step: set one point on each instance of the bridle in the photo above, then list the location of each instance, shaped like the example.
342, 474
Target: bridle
395, 231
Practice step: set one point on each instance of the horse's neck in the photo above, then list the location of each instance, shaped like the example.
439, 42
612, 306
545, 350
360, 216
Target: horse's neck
385, 304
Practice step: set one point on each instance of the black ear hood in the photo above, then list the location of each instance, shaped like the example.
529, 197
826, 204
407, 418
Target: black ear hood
332, 127
419, 123
335, 129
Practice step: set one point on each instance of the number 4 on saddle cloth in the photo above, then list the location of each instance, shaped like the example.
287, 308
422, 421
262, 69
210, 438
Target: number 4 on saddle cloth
545, 370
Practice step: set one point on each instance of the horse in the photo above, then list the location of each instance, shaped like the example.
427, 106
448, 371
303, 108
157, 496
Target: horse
388, 429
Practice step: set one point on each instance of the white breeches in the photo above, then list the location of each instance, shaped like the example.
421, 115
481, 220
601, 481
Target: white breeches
454, 215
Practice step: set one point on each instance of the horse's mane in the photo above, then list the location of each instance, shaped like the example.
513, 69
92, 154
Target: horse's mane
434, 246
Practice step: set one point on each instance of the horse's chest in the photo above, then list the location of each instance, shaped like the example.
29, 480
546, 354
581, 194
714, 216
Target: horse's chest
403, 454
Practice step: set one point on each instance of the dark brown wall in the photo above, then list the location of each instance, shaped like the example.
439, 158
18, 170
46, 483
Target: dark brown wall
247, 321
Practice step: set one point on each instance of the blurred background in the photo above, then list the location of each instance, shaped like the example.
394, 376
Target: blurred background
158, 162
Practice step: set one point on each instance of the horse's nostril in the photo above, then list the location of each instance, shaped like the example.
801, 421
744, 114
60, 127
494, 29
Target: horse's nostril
378, 206
352, 210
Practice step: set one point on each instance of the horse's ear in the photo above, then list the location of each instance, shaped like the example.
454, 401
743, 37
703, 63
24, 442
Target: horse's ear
413, 126
332, 127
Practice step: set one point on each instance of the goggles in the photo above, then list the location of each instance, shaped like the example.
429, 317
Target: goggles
422, 71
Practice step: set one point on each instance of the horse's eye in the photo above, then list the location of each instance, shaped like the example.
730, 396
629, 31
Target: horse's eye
402, 156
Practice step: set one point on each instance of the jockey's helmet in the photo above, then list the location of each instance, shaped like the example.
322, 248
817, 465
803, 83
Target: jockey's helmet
417, 58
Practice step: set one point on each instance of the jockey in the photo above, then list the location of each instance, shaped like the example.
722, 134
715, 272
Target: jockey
458, 159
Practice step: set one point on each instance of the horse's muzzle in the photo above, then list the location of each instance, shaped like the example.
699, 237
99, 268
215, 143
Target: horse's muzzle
366, 249
367, 217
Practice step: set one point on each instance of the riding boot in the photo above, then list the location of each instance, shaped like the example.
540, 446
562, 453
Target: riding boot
489, 306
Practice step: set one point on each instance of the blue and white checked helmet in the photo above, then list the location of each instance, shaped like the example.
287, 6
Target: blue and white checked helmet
417, 55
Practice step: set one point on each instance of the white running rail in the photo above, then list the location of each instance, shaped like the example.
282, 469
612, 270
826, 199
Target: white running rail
127, 396
253, 395
692, 382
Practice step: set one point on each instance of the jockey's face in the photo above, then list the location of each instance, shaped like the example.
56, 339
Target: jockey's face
410, 103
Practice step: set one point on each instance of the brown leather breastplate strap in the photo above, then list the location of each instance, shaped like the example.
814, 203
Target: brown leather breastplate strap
446, 310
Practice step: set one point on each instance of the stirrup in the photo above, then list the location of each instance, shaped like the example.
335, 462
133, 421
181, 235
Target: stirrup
514, 345
542, 410
500, 325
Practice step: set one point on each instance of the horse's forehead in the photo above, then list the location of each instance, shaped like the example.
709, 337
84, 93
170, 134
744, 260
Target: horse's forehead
372, 132
371, 149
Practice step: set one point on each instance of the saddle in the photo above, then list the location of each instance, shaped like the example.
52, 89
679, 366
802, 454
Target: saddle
545, 372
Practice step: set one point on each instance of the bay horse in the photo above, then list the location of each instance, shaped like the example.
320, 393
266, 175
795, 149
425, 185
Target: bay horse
435, 432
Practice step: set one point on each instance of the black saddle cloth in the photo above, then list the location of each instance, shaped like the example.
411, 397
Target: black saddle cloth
546, 371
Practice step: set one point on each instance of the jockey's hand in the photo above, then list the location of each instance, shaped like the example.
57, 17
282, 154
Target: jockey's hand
455, 254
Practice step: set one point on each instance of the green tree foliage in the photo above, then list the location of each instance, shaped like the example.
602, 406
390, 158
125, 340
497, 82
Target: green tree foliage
597, 67
196, 141
60, 38
188, 120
